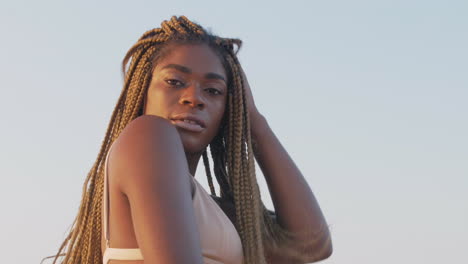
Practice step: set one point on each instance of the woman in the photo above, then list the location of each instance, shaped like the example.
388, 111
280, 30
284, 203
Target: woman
185, 90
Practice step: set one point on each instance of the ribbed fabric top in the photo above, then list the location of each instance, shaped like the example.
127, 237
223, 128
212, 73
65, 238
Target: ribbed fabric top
220, 242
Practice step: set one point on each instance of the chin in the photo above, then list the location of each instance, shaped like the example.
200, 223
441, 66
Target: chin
192, 148
192, 144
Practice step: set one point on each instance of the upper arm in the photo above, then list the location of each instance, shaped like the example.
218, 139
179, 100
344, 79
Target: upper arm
151, 170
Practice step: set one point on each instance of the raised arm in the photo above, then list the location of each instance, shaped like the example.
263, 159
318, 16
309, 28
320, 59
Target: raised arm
296, 208
151, 170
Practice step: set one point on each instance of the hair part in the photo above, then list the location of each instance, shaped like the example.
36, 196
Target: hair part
231, 149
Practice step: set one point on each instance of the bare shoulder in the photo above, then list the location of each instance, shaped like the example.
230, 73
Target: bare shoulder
144, 128
150, 169
146, 136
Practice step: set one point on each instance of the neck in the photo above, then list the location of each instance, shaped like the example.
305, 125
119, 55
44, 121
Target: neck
192, 161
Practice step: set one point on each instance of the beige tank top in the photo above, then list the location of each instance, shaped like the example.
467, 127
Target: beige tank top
220, 242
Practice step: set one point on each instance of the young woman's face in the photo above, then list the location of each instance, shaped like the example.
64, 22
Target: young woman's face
189, 88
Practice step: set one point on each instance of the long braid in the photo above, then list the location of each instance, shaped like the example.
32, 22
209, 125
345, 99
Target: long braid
206, 162
218, 154
83, 242
250, 172
240, 175
249, 213
231, 149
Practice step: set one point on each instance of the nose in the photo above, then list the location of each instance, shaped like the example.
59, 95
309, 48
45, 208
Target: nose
192, 96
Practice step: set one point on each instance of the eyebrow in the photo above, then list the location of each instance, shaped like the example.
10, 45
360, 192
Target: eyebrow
210, 75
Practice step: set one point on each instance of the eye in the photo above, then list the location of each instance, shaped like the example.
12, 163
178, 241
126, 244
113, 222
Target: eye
174, 82
213, 91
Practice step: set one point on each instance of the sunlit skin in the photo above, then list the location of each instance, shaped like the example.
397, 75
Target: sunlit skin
189, 80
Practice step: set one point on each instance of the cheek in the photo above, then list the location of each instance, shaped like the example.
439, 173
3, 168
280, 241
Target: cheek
158, 101
218, 108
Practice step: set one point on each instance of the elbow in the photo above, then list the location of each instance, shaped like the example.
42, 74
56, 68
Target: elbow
320, 253
324, 254
328, 251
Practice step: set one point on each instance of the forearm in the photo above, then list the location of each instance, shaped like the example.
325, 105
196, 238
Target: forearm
295, 205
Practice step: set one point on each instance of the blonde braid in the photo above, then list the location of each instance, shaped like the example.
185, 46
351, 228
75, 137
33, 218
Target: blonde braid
198, 30
177, 26
237, 169
150, 33
248, 196
83, 242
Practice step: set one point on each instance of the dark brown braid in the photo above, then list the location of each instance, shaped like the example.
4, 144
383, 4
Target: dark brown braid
231, 149
206, 162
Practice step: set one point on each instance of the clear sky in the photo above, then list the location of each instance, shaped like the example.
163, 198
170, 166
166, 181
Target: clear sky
368, 97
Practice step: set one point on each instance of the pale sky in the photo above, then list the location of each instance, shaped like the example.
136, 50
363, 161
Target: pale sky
368, 97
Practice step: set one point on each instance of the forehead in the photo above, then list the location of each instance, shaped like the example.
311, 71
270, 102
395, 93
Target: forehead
200, 59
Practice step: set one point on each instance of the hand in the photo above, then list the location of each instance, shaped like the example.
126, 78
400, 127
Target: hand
253, 111
257, 120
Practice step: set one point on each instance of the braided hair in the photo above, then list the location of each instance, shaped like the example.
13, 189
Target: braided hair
231, 149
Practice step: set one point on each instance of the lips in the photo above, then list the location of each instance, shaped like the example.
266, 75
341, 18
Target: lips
188, 122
